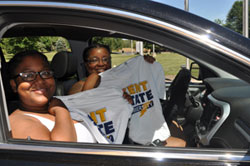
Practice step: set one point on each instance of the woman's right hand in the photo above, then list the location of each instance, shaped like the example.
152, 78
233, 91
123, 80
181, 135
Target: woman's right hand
149, 59
64, 129
127, 97
92, 81
56, 105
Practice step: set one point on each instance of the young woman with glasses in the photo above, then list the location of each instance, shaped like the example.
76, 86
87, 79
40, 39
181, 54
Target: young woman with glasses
40, 116
97, 59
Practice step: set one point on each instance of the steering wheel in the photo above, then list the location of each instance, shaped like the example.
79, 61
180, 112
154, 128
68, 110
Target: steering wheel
176, 95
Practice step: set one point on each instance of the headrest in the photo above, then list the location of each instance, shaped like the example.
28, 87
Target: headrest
10, 95
64, 65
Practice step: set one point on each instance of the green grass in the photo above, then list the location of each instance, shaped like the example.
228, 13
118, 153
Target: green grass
8, 57
50, 55
171, 62
120, 58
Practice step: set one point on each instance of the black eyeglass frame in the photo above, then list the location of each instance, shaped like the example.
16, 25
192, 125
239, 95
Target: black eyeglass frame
91, 61
35, 75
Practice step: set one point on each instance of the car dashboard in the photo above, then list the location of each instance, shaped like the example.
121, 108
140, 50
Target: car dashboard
224, 122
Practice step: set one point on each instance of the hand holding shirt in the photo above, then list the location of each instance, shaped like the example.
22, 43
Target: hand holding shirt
104, 111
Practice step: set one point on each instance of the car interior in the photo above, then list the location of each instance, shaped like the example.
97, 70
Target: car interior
208, 109
63, 65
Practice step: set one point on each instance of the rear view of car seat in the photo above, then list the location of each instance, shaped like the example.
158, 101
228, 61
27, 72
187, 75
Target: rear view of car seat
64, 65
176, 95
11, 97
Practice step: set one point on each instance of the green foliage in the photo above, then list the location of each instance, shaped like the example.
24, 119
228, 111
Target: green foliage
17, 44
61, 45
113, 43
219, 21
235, 17
118, 43
147, 45
48, 43
126, 43
158, 48
14, 45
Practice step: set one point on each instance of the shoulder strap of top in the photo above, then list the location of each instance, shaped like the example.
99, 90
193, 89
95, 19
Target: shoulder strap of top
46, 122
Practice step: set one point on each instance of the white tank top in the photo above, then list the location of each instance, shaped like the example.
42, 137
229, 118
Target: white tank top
83, 134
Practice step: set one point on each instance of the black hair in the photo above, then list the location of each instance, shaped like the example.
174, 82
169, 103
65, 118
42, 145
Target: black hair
18, 58
89, 48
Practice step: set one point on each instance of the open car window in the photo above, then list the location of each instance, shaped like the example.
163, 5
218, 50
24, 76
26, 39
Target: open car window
124, 49
192, 100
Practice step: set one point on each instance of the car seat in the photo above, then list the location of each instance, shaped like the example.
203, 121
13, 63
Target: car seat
11, 97
64, 65
176, 96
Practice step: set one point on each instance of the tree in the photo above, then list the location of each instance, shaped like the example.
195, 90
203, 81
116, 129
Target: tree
234, 17
61, 45
47, 43
113, 43
17, 44
41, 43
219, 21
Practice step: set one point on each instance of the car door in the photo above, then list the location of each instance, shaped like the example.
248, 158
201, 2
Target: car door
144, 20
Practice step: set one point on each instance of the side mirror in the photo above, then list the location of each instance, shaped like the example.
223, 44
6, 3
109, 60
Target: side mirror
195, 71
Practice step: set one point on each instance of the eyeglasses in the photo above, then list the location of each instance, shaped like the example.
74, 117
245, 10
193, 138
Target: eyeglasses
105, 60
31, 75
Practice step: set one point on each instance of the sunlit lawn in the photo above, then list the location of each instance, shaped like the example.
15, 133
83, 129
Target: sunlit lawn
50, 55
171, 62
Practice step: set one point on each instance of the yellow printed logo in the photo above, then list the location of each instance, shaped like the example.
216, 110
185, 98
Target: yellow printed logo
144, 108
142, 97
105, 126
101, 113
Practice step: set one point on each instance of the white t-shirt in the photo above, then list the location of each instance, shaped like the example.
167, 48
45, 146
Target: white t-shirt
104, 110
82, 133
145, 82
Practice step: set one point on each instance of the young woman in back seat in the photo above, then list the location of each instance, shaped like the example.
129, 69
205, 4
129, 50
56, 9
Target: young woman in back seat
97, 59
40, 116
